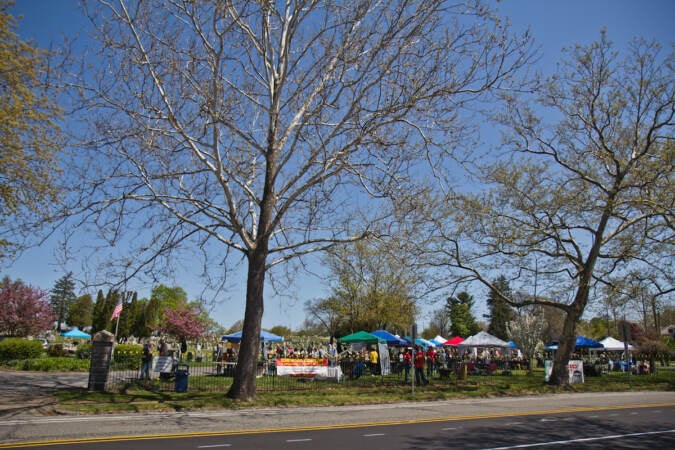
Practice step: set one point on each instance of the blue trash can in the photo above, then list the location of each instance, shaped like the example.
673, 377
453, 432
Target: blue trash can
182, 373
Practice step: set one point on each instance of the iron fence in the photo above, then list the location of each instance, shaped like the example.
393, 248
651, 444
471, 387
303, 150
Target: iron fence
212, 376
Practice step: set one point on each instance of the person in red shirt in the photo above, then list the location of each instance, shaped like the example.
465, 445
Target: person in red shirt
419, 367
407, 364
431, 361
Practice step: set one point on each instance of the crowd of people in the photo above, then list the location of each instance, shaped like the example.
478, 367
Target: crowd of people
362, 359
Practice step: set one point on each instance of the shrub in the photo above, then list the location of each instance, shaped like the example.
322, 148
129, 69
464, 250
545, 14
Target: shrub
127, 356
83, 351
57, 351
17, 348
56, 364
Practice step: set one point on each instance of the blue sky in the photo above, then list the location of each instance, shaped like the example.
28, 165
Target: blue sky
554, 25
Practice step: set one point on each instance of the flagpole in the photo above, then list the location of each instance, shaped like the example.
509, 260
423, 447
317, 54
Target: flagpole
117, 326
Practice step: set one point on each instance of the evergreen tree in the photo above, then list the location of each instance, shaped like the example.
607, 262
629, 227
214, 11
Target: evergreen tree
102, 310
62, 296
130, 311
80, 312
500, 312
463, 323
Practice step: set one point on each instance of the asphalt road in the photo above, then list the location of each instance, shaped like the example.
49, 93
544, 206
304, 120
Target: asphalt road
456, 423
614, 428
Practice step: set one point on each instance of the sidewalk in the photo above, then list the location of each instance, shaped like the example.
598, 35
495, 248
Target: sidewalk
30, 393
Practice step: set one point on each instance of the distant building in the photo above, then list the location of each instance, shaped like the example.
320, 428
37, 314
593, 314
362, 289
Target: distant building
668, 331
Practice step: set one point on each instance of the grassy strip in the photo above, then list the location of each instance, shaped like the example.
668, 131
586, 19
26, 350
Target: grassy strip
136, 399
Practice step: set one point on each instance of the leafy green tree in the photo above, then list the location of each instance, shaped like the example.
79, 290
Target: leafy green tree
98, 320
131, 310
62, 297
500, 312
462, 321
103, 309
374, 288
29, 136
80, 312
169, 297
581, 190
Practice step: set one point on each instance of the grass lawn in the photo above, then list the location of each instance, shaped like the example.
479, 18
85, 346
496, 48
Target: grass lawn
136, 398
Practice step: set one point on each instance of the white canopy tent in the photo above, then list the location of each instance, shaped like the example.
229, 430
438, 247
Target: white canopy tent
613, 345
483, 339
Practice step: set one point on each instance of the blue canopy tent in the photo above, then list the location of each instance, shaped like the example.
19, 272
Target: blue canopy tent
581, 342
76, 333
421, 342
264, 336
390, 338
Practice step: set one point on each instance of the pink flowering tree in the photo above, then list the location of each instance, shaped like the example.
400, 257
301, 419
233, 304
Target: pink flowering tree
25, 310
183, 322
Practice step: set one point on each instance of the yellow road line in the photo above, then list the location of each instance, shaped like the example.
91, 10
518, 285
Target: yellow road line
324, 427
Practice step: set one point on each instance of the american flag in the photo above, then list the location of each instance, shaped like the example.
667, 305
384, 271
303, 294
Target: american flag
117, 310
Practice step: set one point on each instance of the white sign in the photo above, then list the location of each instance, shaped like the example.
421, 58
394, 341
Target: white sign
576, 371
162, 364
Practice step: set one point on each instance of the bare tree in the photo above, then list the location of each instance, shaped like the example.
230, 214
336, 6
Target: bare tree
645, 293
270, 129
570, 203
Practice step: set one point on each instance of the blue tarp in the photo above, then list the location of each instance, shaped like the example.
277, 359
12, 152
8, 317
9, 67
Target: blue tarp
76, 333
390, 338
264, 336
581, 342
421, 342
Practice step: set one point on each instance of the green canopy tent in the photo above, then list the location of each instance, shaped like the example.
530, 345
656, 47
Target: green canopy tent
361, 337
367, 339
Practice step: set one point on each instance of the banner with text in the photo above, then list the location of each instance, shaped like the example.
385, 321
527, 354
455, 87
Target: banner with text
304, 367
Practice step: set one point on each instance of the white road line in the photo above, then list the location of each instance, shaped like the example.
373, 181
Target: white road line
298, 440
514, 423
215, 446
373, 434
599, 438
448, 429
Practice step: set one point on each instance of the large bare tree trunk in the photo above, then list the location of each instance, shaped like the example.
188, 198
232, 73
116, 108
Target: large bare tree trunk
567, 342
560, 375
244, 386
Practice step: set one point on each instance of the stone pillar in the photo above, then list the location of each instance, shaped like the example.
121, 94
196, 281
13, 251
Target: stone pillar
101, 352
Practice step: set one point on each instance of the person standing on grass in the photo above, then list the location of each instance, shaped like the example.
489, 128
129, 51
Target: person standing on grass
373, 357
431, 361
407, 364
146, 360
420, 358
